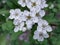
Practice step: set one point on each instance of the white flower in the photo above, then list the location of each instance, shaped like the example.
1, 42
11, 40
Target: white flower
33, 3
14, 14
20, 27
40, 35
22, 3
43, 25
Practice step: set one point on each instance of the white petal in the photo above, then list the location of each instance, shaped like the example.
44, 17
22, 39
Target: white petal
11, 16
48, 28
35, 19
36, 32
29, 27
39, 28
23, 5
16, 22
42, 13
12, 11
16, 29
35, 36
46, 36
24, 29
29, 5
41, 38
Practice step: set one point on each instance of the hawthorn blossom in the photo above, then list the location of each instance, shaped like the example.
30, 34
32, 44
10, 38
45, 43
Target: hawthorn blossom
40, 35
24, 20
14, 14
43, 25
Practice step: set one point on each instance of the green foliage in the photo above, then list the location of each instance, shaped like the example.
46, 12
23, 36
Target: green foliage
7, 26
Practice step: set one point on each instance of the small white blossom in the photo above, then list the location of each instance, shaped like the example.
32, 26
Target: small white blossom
40, 35
14, 14
43, 25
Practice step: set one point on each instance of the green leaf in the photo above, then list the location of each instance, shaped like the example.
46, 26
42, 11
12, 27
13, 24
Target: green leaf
10, 4
2, 11
7, 26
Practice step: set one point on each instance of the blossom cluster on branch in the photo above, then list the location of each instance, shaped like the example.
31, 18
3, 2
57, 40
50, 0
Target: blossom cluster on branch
24, 20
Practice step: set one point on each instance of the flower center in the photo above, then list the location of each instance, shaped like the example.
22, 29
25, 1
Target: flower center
16, 14
37, 14
23, 0
43, 26
34, 4
29, 17
40, 34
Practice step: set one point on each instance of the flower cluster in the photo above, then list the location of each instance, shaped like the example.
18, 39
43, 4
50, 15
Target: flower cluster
24, 20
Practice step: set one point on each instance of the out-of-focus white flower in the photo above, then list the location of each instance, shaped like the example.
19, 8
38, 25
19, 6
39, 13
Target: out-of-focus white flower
4, 1
52, 6
3, 14
14, 14
40, 35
